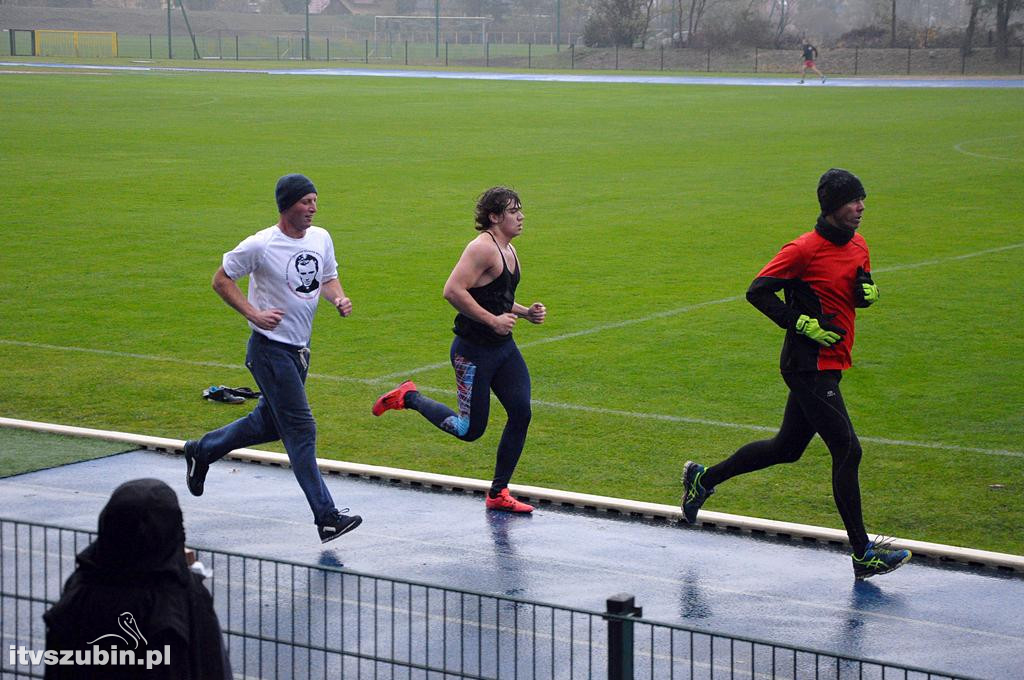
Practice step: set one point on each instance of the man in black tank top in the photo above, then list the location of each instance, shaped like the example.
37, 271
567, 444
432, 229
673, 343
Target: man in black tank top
482, 289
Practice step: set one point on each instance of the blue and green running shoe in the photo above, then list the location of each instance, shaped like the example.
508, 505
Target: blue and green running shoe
879, 558
694, 493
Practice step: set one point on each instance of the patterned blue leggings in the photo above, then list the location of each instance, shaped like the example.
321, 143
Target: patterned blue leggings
480, 370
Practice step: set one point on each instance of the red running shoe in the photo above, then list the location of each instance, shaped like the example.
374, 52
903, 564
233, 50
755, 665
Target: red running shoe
503, 501
395, 399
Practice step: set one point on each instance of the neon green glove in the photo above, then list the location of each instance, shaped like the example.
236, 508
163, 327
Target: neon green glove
864, 289
869, 293
822, 332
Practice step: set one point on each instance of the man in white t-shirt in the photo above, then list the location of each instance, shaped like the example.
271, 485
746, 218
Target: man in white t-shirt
290, 266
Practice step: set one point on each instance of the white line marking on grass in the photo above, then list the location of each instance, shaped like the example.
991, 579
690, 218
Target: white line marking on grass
764, 428
56, 73
690, 308
385, 379
550, 404
171, 360
576, 334
959, 148
952, 258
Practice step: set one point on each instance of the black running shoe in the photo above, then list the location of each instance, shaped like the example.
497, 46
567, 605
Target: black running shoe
195, 471
879, 558
337, 525
694, 493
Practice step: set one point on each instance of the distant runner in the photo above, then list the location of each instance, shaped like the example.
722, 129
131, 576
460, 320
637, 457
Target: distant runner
810, 56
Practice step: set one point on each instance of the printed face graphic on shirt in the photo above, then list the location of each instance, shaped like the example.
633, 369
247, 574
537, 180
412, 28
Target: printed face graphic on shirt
304, 274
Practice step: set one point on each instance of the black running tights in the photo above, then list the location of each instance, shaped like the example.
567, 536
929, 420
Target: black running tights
815, 406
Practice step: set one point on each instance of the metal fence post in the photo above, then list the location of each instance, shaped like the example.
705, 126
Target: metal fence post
572, 55
620, 635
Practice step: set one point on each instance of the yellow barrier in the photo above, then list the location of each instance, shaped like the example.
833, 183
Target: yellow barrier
51, 43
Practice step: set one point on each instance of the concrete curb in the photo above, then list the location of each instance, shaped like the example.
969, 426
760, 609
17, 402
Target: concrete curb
625, 507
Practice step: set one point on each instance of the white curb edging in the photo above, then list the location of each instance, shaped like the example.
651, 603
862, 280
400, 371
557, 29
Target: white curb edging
627, 507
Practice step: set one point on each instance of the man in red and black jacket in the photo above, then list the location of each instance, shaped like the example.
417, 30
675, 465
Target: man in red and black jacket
824, 274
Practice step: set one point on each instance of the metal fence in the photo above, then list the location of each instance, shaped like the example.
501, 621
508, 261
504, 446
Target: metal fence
532, 50
288, 620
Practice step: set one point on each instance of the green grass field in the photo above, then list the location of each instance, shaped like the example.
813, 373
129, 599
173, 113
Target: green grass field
649, 208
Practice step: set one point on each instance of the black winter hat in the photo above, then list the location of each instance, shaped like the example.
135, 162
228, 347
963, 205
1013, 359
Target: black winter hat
290, 189
836, 188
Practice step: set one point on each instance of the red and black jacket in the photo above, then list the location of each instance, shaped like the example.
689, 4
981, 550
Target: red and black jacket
817, 272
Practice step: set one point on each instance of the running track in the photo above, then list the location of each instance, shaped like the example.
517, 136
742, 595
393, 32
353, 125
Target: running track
947, 618
559, 77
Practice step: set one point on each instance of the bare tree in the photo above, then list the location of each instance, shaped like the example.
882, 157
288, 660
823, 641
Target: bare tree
972, 24
780, 27
1004, 8
693, 18
892, 30
616, 22
648, 9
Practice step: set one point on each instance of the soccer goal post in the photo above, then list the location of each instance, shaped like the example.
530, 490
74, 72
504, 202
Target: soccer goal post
51, 43
391, 30
23, 42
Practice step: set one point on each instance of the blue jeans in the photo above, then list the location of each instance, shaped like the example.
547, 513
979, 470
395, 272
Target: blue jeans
480, 370
282, 413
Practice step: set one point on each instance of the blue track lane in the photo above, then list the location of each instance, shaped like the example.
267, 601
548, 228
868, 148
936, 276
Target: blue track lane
558, 76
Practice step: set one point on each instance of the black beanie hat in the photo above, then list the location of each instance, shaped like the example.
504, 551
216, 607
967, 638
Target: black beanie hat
836, 188
290, 189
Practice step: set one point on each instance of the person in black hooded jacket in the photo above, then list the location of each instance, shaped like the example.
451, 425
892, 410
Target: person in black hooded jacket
133, 591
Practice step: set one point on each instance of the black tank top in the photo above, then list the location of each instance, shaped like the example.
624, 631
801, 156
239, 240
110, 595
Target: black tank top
497, 297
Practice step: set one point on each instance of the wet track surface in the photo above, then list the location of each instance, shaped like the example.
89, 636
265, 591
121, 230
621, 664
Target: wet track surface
948, 618
559, 76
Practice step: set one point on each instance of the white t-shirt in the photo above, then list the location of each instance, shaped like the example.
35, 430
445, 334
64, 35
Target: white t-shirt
285, 273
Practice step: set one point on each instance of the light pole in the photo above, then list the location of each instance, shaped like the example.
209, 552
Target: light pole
170, 51
558, 25
892, 38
